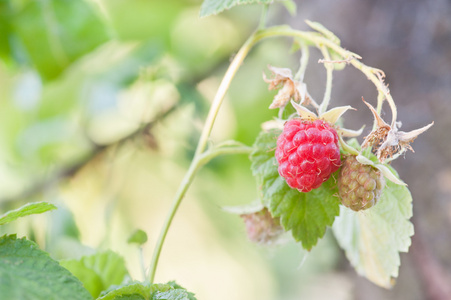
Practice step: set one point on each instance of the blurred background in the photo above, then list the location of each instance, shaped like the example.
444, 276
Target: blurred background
101, 107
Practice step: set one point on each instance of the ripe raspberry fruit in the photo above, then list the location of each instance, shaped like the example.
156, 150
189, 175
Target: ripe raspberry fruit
307, 153
360, 186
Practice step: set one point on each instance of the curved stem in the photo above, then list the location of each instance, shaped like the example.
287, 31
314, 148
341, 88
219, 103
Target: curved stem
189, 176
223, 87
317, 39
201, 158
196, 164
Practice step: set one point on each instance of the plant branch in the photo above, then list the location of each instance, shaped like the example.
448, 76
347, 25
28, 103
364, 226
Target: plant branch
201, 157
220, 94
196, 164
373, 74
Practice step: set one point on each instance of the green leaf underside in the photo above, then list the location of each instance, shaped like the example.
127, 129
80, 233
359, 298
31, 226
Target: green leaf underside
26, 210
307, 215
98, 272
26, 272
137, 290
373, 238
213, 7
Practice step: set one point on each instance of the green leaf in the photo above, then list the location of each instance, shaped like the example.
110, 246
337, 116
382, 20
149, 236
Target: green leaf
372, 239
26, 210
172, 295
26, 272
66, 30
307, 215
5, 29
138, 290
263, 161
130, 291
213, 7
177, 286
99, 271
290, 6
138, 237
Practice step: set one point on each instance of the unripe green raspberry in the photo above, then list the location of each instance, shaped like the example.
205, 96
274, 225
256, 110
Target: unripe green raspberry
261, 227
360, 186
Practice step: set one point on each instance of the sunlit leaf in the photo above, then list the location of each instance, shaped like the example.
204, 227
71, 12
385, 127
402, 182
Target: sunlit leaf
141, 291
26, 272
136, 291
372, 239
99, 271
179, 293
213, 7
26, 210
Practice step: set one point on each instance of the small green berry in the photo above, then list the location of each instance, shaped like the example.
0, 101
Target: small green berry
360, 186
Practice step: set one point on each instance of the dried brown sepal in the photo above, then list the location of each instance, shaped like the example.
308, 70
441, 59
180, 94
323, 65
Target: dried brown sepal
378, 135
387, 140
282, 79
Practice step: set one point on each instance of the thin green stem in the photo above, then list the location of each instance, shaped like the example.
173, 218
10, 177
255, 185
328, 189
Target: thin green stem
303, 61
329, 71
141, 261
223, 87
196, 164
263, 17
200, 158
209, 155
189, 176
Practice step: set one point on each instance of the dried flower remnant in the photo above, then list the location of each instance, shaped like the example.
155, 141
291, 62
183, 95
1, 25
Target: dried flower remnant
289, 88
387, 140
261, 227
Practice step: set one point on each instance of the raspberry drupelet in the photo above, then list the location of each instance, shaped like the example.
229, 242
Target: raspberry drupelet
307, 153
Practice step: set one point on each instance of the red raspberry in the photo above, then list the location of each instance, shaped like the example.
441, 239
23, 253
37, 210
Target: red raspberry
307, 153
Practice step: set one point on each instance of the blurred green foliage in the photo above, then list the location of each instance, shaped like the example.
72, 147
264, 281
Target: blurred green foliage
102, 102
